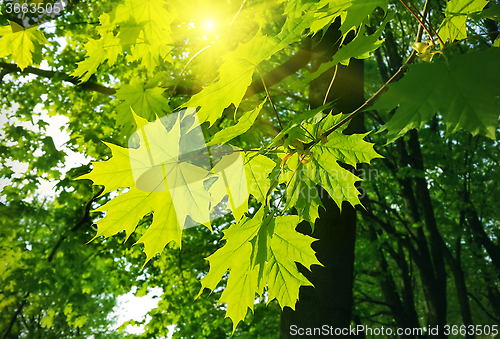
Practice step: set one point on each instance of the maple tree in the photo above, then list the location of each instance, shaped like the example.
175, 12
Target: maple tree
260, 162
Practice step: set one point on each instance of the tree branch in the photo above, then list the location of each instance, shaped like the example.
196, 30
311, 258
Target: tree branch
15, 315
90, 86
482, 307
289, 67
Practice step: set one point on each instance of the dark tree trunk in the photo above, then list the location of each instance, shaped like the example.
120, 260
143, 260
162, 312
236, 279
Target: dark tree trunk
329, 303
429, 252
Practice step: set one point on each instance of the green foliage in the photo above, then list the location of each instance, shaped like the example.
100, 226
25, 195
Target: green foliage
260, 251
235, 75
465, 93
267, 167
454, 26
244, 123
146, 100
23, 44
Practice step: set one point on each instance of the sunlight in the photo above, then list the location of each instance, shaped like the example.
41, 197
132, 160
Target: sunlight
209, 25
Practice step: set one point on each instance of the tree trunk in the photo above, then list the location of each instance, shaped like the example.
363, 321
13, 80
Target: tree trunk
329, 303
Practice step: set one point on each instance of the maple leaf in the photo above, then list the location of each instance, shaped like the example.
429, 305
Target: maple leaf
146, 101
113, 173
258, 168
234, 78
360, 47
244, 123
457, 11
352, 12
152, 31
170, 173
304, 197
465, 93
322, 168
23, 44
98, 51
260, 253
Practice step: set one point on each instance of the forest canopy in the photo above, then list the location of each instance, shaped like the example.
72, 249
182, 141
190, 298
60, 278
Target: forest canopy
268, 165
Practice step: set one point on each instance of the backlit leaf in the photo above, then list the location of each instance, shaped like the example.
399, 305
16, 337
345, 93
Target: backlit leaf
23, 44
465, 94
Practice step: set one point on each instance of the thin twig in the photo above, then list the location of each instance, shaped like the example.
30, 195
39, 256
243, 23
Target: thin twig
239, 10
331, 83
382, 89
185, 67
420, 21
269, 97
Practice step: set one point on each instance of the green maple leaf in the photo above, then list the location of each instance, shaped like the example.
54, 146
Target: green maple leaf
457, 11
359, 48
154, 39
287, 247
244, 123
147, 102
359, 11
23, 44
260, 252
98, 51
234, 79
146, 193
113, 173
151, 11
299, 18
172, 175
492, 12
144, 28
150, 52
129, 33
322, 168
258, 168
241, 287
237, 190
465, 93
352, 13
304, 197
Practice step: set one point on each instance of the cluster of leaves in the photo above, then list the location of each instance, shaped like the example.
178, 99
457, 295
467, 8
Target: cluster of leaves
282, 169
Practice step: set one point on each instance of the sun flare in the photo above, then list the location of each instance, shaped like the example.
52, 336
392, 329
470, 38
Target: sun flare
209, 25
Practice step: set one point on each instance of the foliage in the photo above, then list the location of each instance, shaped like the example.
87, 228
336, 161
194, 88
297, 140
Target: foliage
144, 77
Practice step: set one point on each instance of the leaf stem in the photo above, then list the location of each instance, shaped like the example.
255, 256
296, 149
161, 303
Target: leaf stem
420, 21
396, 76
185, 67
331, 83
269, 97
239, 10
424, 19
